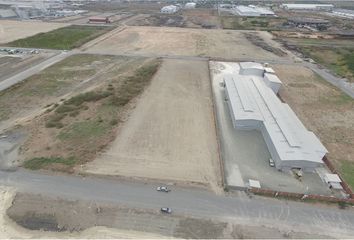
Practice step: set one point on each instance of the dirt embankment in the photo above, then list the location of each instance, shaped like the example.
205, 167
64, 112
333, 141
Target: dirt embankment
63, 218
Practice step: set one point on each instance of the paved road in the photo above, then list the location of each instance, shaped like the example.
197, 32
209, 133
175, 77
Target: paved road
194, 202
33, 70
341, 83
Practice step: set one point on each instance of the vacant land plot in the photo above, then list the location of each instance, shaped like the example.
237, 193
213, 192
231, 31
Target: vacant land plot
170, 134
181, 41
63, 38
323, 109
13, 30
75, 129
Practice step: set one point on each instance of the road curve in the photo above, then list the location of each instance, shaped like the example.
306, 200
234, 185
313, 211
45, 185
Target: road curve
294, 216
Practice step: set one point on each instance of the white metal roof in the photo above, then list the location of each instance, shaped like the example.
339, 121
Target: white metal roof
254, 183
333, 178
252, 10
252, 99
306, 6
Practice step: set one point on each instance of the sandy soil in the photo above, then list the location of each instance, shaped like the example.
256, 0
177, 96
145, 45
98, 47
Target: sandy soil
9, 228
76, 218
170, 134
181, 41
13, 30
322, 108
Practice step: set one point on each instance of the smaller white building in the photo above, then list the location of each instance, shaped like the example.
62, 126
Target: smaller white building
252, 11
307, 7
169, 9
190, 5
333, 181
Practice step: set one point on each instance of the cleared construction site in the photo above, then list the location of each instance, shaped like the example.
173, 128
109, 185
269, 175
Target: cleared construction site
112, 102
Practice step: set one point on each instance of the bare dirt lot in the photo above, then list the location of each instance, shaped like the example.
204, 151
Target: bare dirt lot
58, 218
185, 42
323, 109
13, 30
170, 134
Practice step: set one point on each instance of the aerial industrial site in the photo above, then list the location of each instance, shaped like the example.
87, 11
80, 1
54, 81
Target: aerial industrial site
176, 119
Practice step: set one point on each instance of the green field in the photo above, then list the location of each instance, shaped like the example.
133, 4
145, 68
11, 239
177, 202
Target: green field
347, 170
65, 38
251, 23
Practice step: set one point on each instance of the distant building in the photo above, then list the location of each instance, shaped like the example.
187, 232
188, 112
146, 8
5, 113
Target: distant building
251, 93
99, 20
169, 9
307, 7
7, 13
190, 5
345, 13
252, 10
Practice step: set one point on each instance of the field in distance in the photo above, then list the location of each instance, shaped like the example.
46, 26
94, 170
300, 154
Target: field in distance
11, 30
65, 38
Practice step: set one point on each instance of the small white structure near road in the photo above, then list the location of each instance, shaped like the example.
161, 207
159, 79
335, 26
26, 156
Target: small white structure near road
169, 9
190, 5
252, 11
254, 183
333, 181
251, 93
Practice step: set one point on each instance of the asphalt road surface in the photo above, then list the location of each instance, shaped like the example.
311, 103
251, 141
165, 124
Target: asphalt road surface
33, 70
237, 208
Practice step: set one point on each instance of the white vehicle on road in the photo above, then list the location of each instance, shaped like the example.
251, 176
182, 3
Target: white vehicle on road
163, 189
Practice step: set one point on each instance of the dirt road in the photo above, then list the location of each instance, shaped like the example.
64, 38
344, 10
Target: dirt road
170, 134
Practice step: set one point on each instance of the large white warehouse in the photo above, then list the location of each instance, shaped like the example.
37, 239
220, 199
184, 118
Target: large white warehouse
251, 91
308, 7
169, 9
252, 10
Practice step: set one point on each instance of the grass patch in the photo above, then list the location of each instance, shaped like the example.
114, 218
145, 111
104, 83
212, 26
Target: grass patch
251, 23
65, 38
340, 60
134, 85
84, 130
42, 162
347, 170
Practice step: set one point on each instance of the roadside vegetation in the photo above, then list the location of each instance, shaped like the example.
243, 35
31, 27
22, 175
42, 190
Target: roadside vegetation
339, 60
52, 82
347, 170
251, 23
65, 38
83, 125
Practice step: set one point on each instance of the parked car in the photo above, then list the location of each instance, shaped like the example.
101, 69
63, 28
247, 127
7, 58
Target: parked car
166, 210
163, 189
271, 162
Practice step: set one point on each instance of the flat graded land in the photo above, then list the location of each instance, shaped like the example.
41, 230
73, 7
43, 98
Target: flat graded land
182, 42
63, 38
13, 30
170, 134
323, 109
